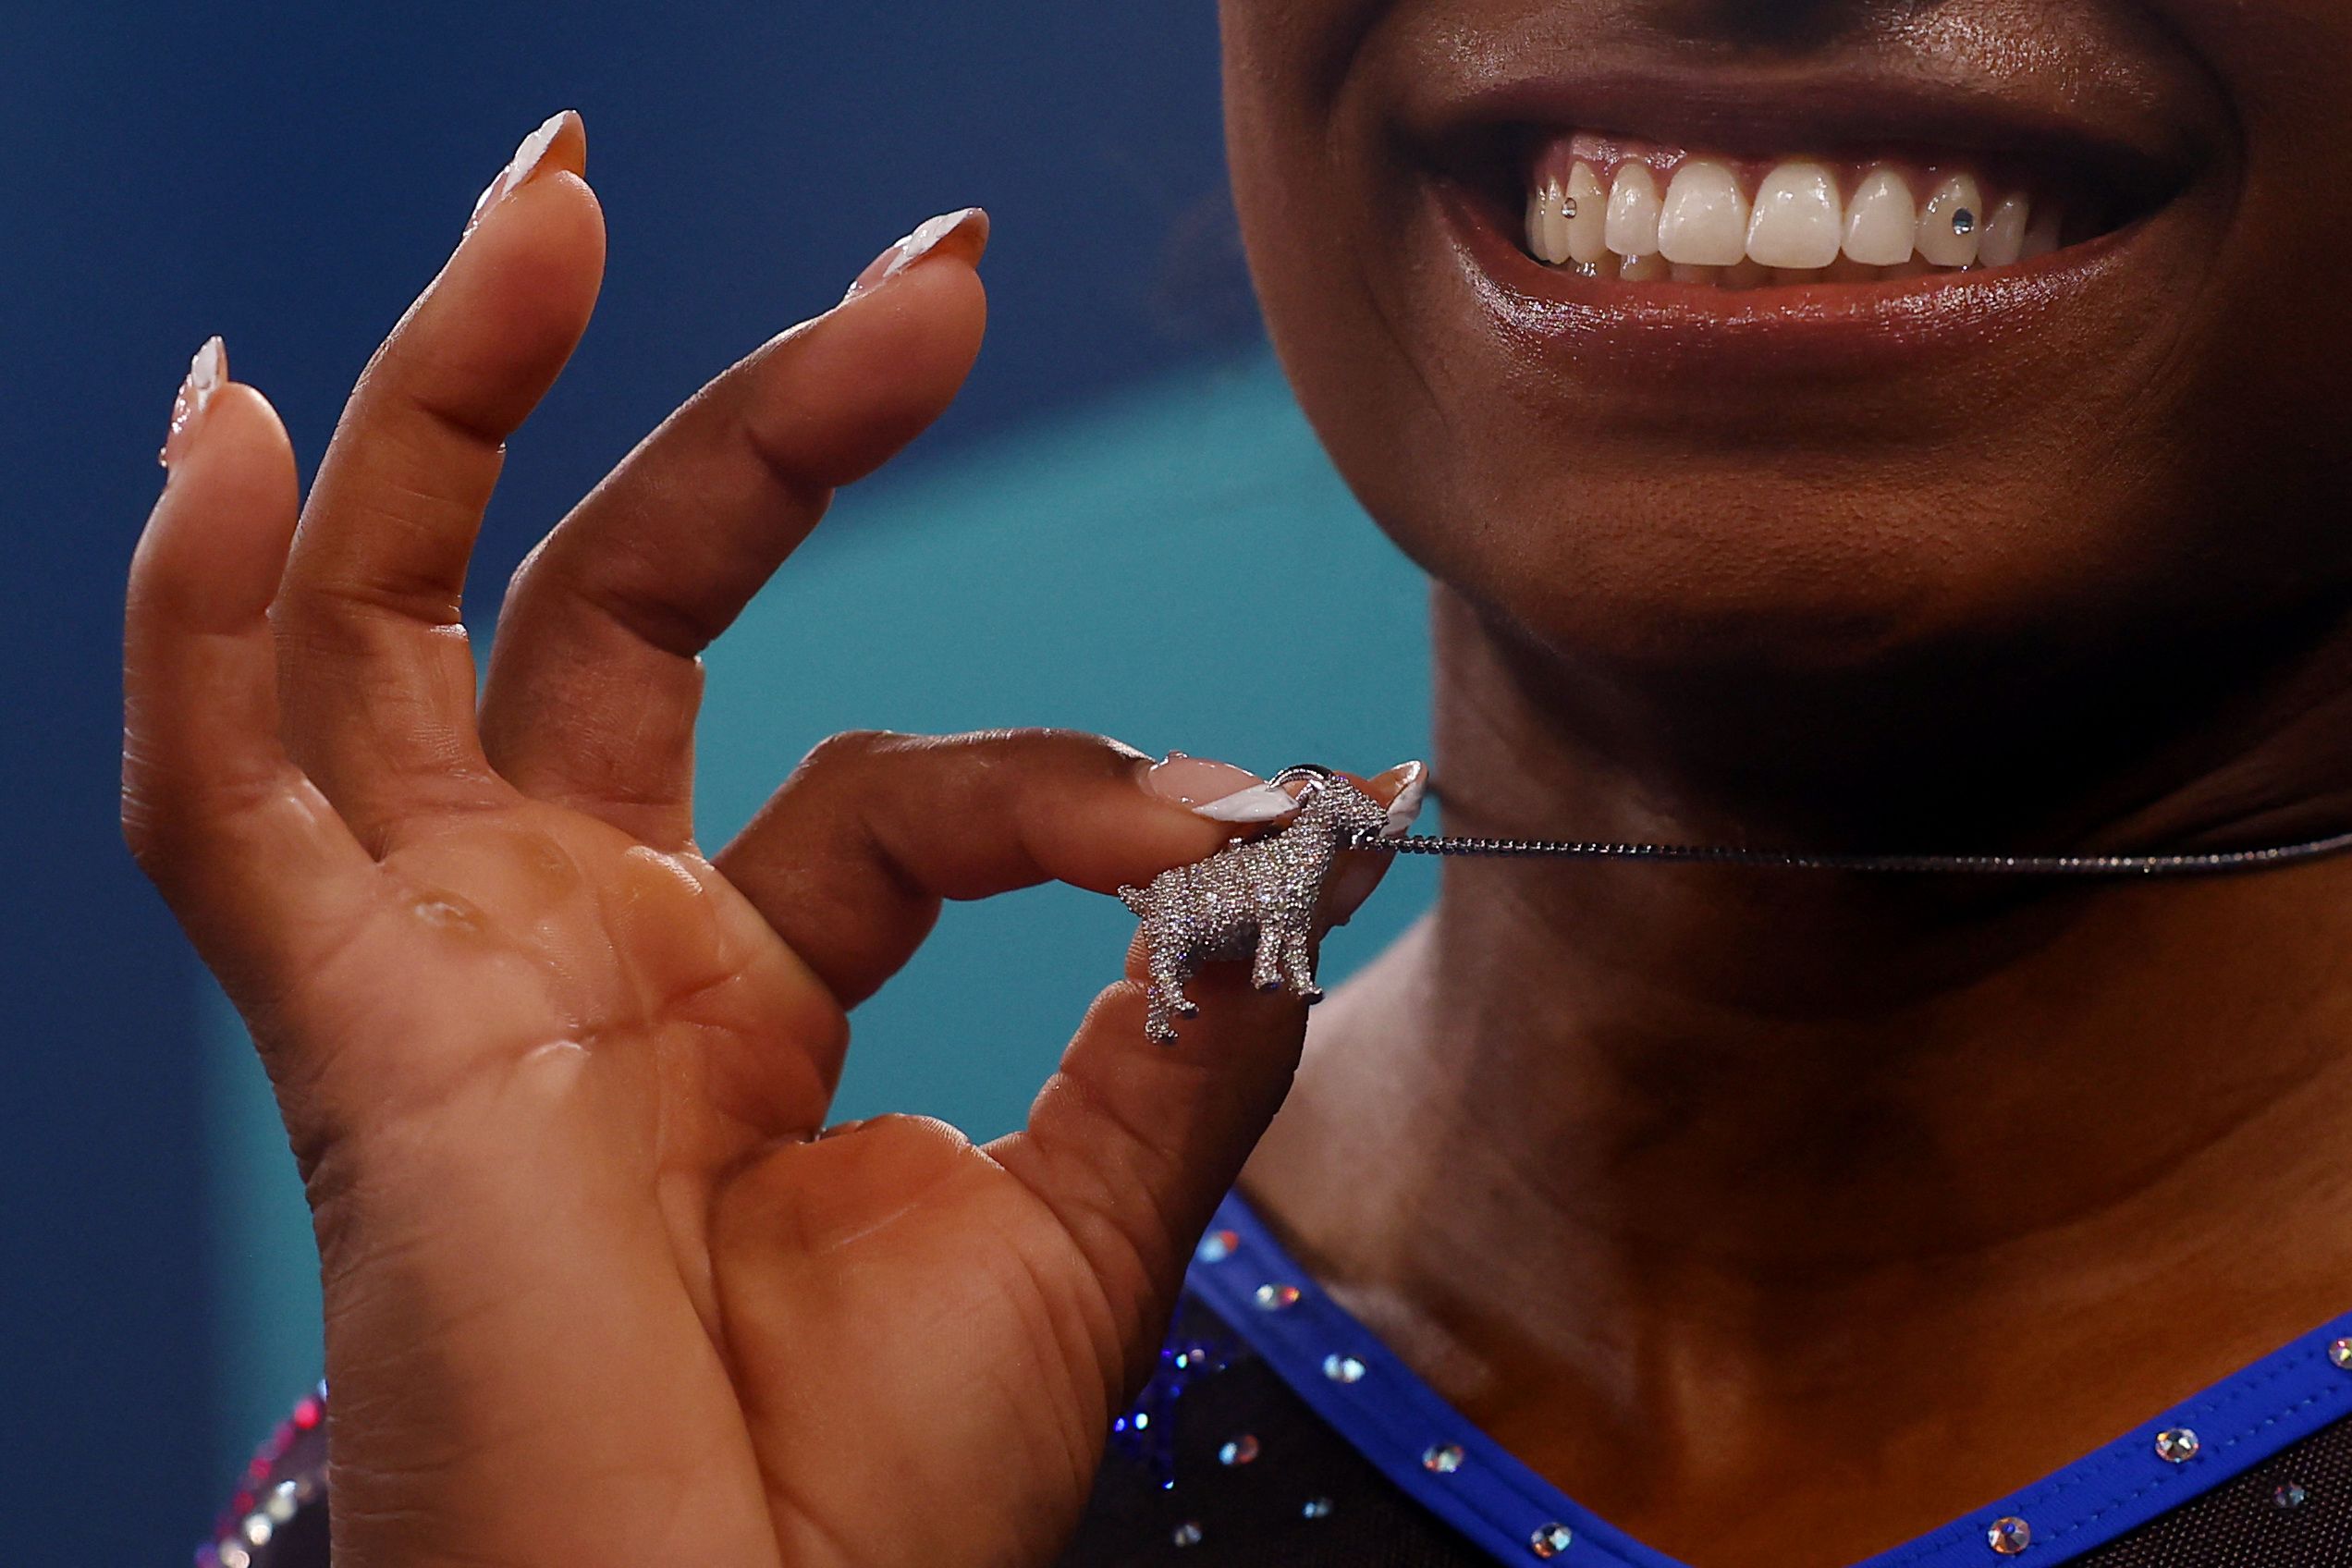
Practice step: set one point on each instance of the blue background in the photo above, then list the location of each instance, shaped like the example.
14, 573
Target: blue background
1123, 525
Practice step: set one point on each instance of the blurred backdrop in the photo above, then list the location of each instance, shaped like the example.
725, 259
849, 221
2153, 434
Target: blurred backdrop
1125, 473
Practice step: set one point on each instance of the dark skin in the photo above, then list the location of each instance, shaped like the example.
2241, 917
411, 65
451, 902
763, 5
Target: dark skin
1783, 1217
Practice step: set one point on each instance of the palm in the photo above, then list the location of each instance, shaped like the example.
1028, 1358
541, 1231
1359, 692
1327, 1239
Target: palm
626, 1061
598, 1292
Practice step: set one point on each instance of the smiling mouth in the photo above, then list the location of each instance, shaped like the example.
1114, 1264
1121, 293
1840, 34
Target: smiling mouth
1845, 214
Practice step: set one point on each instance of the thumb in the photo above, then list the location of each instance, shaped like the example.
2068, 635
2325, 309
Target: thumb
1134, 1143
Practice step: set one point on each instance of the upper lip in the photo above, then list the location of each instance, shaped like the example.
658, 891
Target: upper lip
1859, 109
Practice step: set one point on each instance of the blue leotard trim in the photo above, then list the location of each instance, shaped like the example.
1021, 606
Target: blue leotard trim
1392, 1418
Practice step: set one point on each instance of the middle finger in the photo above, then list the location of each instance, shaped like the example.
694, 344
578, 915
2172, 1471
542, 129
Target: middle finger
376, 680
596, 677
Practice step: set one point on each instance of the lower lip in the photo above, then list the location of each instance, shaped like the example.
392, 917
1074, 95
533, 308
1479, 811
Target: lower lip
1781, 329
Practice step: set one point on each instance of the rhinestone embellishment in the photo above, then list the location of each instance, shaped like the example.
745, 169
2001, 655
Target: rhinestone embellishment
1240, 1450
1550, 1540
2009, 1536
1186, 1534
2177, 1446
1275, 1298
1315, 1508
1343, 1369
1217, 1247
2341, 1353
2291, 1495
1442, 1459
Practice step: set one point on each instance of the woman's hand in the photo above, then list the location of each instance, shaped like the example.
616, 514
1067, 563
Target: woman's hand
597, 1289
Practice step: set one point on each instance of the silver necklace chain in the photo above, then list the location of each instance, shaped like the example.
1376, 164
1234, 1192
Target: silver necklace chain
2198, 864
1257, 898
2205, 864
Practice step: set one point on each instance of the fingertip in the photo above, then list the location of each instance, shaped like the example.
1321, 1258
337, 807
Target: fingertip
218, 535
568, 148
490, 334
543, 259
838, 396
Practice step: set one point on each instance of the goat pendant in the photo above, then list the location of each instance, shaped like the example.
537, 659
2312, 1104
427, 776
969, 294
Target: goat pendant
1255, 900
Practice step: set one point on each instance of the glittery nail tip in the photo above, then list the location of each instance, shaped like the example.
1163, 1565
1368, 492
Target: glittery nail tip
522, 165
207, 374
970, 223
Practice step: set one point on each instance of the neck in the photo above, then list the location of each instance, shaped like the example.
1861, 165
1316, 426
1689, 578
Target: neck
1698, 1182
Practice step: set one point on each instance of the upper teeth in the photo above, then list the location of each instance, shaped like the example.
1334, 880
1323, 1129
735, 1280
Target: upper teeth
1803, 216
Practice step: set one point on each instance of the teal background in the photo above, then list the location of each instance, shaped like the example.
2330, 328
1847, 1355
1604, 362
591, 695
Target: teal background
1176, 566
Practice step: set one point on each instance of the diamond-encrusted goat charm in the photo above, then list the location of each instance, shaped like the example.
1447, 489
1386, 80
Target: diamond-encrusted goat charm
1254, 900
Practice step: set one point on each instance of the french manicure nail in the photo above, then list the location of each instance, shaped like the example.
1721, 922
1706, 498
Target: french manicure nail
1194, 782
1259, 802
207, 374
522, 165
964, 230
1404, 807
1356, 875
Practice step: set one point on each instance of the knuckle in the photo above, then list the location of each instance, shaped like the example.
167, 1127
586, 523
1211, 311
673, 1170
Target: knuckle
1078, 749
853, 749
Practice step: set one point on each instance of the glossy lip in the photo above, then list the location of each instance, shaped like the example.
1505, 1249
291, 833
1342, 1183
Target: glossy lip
1808, 328
1453, 135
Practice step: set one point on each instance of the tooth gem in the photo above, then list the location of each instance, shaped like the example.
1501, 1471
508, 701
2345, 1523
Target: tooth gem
1567, 206
1943, 242
1964, 222
1588, 218
2177, 1446
2009, 1536
1550, 1540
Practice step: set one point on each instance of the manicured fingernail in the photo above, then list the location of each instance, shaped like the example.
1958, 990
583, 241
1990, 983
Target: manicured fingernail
207, 374
522, 165
1357, 875
1412, 782
1259, 802
1214, 790
963, 233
